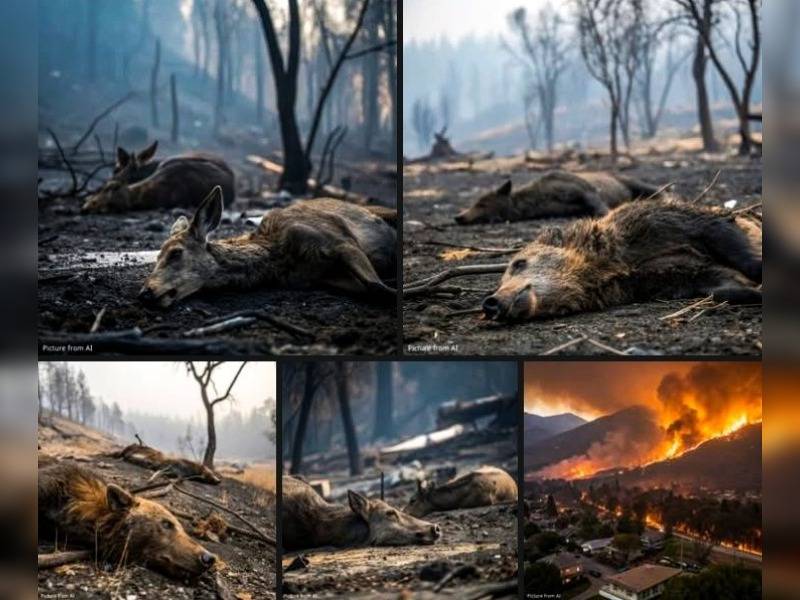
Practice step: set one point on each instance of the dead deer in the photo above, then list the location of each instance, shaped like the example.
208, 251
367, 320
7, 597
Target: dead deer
482, 487
556, 194
642, 251
311, 522
177, 181
309, 243
150, 458
131, 167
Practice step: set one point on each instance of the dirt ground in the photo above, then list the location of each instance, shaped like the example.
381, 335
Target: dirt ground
434, 193
247, 568
88, 263
484, 538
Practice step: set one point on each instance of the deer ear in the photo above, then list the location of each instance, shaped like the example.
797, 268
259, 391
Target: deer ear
358, 504
148, 152
208, 215
505, 189
118, 499
123, 158
181, 224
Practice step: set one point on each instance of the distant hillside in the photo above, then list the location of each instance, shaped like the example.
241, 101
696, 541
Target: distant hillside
621, 432
732, 462
538, 428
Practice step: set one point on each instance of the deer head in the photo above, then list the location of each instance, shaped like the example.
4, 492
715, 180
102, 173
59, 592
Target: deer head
389, 526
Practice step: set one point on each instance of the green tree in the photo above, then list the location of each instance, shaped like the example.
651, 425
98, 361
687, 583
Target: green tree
548, 541
627, 543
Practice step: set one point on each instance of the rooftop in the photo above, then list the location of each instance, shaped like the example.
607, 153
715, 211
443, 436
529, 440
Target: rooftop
643, 577
562, 560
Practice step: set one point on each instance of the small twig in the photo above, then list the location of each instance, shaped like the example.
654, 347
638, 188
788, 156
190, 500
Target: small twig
663, 188
64, 159
263, 536
100, 117
465, 311
475, 248
98, 318
605, 347
263, 315
222, 326
565, 345
429, 283
707, 189
698, 304
747, 208
705, 310
56, 559
460, 571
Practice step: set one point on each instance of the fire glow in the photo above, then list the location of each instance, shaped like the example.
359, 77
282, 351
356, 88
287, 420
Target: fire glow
687, 410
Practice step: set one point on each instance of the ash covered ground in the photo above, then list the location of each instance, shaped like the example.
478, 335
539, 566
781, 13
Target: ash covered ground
482, 540
433, 192
247, 566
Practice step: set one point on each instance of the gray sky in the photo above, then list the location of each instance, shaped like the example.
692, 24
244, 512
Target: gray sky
164, 388
425, 20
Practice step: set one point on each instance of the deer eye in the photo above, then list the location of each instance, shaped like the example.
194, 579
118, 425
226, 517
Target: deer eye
391, 514
518, 265
167, 524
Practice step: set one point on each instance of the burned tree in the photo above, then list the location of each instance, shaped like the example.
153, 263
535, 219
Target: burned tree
707, 23
543, 51
610, 34
343, 395
154, 85
656, 34
309, 389
204, 379
422, 120
384, 400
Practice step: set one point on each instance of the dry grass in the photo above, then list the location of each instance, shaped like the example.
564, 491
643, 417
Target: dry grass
259, 475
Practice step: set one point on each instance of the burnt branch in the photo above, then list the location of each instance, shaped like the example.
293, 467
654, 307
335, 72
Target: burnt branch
99, 118
429, 284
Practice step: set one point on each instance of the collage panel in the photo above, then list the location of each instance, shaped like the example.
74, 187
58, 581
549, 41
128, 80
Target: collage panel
400, 479
563, 198
642, 480
217, 177
156, 480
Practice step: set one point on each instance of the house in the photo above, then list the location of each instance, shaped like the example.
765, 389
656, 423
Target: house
568, 566
594, 546
640, 583
652, 540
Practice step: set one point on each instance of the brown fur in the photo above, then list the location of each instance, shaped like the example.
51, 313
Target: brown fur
120, 527
178, 181
556, 194
638, 252
150, 458
310, 243
310, 522
481, 487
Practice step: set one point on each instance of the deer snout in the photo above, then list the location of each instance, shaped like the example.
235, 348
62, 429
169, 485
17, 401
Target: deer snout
461, 218
509, 304
147, 295
208, 559
436, 531
493, 306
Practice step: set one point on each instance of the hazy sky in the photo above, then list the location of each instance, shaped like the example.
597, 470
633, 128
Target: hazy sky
164, 388
425, 20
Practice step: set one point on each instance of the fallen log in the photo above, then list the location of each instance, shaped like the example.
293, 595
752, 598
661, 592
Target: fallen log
56, 559
468, 411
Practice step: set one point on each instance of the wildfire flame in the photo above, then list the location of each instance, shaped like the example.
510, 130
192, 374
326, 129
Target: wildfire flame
687, 410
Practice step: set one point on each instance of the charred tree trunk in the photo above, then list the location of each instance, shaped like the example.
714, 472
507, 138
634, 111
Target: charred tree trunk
296, 166
343, 393
613, 131
391, 72
154, 85
370, 70
302, 420
384, 401
703, 106
259, 58
211, 434
173, 87
219, 22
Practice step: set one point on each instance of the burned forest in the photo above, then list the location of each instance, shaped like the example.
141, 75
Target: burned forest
399, 476
146, 107
526, 149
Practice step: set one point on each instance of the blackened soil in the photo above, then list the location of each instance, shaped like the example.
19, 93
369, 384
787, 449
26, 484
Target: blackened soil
73, 291
434, 193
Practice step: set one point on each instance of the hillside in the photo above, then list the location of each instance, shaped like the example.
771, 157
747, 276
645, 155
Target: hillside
620, 432
246, 564
538, 428
731, 462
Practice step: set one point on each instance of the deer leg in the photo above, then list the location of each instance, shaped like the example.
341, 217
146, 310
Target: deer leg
362, 274
731, 247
